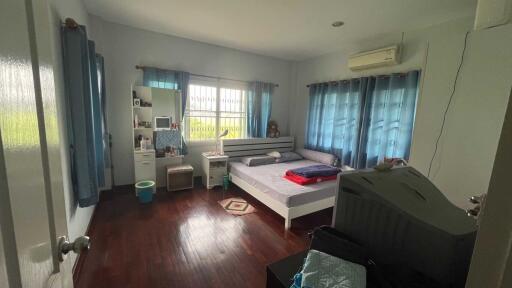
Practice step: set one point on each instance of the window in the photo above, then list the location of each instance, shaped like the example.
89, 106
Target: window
363, 121
232, 116
215, 106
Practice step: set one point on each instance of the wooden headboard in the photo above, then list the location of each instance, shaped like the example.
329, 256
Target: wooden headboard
238, 148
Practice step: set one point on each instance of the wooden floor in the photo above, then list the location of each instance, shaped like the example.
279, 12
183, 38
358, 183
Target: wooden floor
186, 239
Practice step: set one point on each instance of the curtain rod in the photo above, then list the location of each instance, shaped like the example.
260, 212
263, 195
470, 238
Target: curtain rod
346, 80
141, 67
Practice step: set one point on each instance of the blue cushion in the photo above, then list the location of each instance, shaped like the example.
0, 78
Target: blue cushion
326, 271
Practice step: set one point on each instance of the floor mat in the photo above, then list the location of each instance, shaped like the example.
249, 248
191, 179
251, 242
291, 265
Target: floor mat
237, 206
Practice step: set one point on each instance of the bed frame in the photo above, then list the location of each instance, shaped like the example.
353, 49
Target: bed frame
238, 148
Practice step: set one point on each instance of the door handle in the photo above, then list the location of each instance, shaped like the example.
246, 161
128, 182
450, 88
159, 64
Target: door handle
82, 243
476, 199
473, 212
479, 202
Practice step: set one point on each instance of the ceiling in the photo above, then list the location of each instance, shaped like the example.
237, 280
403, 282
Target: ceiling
287, 29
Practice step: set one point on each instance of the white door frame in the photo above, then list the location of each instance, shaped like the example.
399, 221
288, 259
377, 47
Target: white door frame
491, 264
32, 209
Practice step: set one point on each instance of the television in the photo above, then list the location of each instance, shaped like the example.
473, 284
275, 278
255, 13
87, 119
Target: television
162, 123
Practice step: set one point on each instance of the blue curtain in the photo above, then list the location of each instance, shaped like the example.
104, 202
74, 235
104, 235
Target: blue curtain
170, 79
100, 65
363, 121
82, 102
388, 118
334, 118
97, 112
259, 108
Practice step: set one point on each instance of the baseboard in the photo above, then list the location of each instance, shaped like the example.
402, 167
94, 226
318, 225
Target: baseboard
79, 262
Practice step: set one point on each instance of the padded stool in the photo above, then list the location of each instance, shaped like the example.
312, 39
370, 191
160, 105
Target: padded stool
180, 177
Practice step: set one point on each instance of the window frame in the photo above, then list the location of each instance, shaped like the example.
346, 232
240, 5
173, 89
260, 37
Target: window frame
218, 84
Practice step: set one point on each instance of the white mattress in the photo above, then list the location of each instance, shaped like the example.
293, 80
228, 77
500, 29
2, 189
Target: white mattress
269, 179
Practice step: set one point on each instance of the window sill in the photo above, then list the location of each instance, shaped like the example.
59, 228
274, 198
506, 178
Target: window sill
204, 143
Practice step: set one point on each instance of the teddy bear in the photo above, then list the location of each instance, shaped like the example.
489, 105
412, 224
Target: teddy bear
273, 130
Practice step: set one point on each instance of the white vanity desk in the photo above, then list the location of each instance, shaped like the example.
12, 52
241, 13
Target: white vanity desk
164, 102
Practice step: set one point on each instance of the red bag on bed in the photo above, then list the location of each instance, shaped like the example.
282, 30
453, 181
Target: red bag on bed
306, 181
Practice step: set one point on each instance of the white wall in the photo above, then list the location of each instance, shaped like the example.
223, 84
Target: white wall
491, 264
467, 150
124, 47
77, 218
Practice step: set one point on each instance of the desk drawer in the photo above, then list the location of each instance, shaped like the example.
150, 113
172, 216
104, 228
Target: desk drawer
218, 165
215, 180
218, 172
145, 170
149, 156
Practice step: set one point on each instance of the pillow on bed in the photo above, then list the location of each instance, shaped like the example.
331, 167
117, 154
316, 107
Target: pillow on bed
288, 156
321, 157
258, 160
274, 154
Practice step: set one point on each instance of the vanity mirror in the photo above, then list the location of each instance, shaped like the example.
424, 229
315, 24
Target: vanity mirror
155, 109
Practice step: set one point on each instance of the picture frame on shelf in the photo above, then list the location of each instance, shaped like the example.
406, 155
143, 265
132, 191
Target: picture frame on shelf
136, 102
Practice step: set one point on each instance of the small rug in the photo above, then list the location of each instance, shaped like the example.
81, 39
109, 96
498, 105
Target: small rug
237, 206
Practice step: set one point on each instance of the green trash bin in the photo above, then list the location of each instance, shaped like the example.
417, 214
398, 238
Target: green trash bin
145, 191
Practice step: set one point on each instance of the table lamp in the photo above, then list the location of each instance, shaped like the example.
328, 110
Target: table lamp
218, 140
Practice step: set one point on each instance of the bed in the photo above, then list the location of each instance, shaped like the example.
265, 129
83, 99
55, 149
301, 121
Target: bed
266, 182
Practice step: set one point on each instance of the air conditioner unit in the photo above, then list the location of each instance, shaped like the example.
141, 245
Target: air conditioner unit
492, 13
377, 58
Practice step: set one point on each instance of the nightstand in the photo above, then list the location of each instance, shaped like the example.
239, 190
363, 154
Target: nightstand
214, 169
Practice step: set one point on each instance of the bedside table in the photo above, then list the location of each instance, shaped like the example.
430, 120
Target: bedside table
214, 169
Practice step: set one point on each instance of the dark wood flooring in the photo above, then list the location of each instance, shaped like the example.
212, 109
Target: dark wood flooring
186, 239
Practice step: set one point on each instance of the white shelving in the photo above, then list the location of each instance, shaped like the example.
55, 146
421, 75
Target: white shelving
164, 102
144, 114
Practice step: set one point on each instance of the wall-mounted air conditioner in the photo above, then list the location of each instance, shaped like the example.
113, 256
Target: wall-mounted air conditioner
492, 13
377, 58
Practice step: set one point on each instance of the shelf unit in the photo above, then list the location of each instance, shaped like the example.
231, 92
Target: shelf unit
144, 114
146, 165
144, 160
